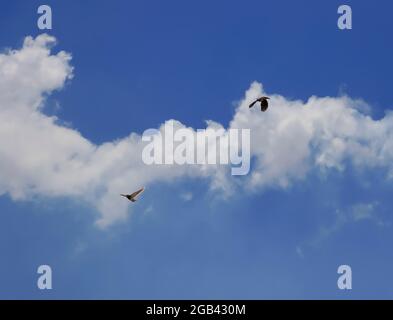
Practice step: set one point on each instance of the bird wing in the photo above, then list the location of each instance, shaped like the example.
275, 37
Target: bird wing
136, 193
252, 104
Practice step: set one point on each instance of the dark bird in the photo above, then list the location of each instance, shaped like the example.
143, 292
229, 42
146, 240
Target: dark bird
132, 197
263, 101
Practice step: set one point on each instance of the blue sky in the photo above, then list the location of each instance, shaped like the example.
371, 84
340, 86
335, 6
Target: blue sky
140, 63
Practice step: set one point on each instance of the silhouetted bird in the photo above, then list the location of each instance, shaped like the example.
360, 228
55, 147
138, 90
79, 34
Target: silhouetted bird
132, 197
263, 101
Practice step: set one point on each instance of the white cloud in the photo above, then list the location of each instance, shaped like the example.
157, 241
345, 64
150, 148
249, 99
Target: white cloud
186, 196
294, 137
356, 213
38, 156
363, 211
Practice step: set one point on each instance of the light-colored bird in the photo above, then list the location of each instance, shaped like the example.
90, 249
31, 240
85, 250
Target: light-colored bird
133, 196
263, 101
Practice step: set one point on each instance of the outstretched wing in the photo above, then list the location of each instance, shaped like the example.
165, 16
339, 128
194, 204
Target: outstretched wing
136, 193
252, 104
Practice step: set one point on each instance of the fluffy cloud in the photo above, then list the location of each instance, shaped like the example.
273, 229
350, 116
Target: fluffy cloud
38, 156
295, 137
356, 213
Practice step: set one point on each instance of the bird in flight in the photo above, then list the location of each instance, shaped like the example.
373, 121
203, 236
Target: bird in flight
263, 101
132, 197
